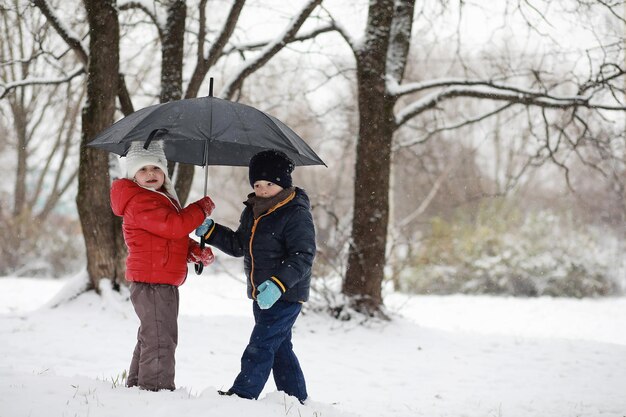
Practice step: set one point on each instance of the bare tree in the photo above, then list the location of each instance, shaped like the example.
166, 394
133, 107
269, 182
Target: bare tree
45, 169
99, 227
387, 102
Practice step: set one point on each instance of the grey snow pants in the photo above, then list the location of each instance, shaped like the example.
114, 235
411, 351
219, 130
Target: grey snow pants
153, 363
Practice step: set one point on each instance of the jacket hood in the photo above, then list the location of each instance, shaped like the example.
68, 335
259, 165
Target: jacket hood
301, 199
122, 191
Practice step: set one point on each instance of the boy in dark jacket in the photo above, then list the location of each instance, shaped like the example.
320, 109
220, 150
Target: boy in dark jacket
156, 232
276, 238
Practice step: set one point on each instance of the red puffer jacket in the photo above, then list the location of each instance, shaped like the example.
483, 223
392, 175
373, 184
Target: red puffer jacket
156, 232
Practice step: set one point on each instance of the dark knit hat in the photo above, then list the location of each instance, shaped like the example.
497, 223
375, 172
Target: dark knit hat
273, 166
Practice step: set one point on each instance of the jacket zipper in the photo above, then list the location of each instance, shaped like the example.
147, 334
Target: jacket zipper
254, 225
164, 195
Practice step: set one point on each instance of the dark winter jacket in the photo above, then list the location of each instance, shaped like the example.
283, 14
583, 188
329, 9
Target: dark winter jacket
156, 232
280, 243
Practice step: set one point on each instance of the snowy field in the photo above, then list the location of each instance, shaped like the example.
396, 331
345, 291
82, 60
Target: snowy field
440, 356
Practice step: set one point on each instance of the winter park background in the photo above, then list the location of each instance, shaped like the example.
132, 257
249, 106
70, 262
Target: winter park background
504, 271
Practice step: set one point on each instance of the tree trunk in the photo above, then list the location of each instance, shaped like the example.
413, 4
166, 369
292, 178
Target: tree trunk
183, 182
172, 81
19, 201
366, 258
93, 202
172, 46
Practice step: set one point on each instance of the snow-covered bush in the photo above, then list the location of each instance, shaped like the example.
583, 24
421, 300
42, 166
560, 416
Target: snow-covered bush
498, 253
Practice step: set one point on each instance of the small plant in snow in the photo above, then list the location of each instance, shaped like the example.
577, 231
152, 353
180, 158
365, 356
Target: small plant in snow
119, 380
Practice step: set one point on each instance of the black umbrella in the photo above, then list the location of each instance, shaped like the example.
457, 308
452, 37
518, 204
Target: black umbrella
206, 131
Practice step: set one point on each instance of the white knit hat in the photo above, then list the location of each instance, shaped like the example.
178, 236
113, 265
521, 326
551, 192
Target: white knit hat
137, 157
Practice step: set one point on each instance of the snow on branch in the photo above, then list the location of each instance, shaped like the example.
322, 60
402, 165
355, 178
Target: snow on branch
352, 42
514, 95
270, 50
6, 88
397, 90
69, 36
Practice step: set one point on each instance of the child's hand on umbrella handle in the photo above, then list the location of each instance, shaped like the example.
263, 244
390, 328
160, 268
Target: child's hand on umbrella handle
207, 205
206, 225
201, 231
201, 256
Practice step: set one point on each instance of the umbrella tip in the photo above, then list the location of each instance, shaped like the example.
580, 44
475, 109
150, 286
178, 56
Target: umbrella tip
211, 87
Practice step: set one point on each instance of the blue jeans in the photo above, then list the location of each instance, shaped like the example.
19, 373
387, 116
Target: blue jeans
270, 349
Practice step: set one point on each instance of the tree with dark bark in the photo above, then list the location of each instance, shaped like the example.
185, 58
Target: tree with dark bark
99, 227
387, 34
387, 102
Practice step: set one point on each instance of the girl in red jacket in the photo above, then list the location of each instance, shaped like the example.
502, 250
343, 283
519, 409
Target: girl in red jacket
156, 231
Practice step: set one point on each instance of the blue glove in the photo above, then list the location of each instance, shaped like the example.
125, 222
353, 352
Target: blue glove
204, 227
269, 293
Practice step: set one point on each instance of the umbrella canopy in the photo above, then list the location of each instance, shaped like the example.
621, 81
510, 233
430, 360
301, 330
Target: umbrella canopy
206, 131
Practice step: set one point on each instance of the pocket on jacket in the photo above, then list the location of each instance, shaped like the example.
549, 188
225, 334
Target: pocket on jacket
166, 254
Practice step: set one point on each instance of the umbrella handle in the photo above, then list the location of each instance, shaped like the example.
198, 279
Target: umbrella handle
199, 266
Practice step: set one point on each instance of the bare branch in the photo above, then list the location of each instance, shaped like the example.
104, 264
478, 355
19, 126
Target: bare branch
270, 50
343, 32
612, 7
397, 90
129, 5
204, 63
68, 36
427, 200
500, 93
123, 96
45, 169
75, 44
202, 30
463, 123
40, 81
304, 36
57, 190
55, 196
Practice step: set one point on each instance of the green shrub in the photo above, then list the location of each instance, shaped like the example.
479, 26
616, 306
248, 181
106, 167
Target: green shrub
501, 252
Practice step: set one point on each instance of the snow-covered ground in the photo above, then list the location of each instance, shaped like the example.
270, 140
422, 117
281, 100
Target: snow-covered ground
439, 356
